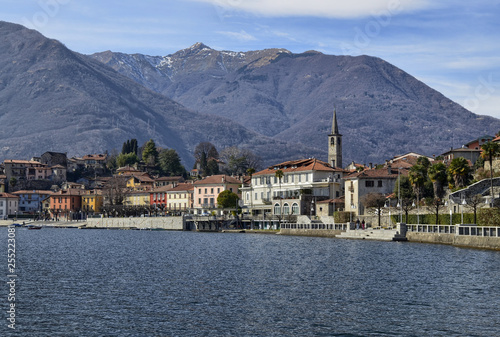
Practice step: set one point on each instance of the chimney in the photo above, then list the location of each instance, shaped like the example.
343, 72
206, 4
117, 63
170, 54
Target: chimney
389, 168
370, 165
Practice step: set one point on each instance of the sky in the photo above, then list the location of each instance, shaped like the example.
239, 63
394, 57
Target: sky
453, 46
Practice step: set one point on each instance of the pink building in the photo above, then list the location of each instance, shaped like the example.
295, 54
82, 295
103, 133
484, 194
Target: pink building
207, 190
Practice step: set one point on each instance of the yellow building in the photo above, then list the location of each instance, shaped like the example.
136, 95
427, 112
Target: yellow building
137, 198
92, 202
140, 182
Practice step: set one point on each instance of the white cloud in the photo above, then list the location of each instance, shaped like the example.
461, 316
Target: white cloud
320, 8
241, 36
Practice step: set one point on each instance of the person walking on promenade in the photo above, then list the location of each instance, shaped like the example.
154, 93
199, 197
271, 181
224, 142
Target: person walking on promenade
357, 223
363, 224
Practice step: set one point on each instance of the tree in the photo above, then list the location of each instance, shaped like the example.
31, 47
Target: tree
376, 201
227, 199
208, 149
438, 176
115, 190
434, 204
237, 161
459, 172
417, 177
212, 167
474, 202
126, 159
279, 174
490, 151
150, 153
170, 163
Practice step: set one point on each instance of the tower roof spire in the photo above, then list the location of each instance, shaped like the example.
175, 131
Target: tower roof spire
335, 127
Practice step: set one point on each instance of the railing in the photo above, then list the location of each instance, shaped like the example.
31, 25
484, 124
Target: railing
443, 229
319, 226
472, 230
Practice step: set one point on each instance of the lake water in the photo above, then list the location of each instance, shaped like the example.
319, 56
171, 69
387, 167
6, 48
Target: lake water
74, 282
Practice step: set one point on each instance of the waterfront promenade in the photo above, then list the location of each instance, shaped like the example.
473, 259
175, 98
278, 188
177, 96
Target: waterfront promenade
472, 236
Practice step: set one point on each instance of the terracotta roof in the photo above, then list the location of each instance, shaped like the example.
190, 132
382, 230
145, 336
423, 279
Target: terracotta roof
377, 173
127, 168
70, 191
33, 192
94, 157
176, 178
143, 178
311, 164
8, 195
162, 189
218, 179
182, 187
16, 161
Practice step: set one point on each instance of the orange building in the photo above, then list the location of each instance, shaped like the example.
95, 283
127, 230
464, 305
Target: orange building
66, 204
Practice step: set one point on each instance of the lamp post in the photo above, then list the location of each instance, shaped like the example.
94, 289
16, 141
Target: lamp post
400, 204
463, 204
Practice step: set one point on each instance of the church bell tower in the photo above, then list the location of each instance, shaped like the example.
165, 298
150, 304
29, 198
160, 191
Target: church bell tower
335, 144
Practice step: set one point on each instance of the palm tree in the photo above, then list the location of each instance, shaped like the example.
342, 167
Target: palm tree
437, 174
459, 171
279, 174
490, 150
418, 177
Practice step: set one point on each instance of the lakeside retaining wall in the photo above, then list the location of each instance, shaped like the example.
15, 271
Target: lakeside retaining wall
168, 223
455, 240
327, 233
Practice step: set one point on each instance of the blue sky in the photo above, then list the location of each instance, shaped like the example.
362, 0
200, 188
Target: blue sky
453, 46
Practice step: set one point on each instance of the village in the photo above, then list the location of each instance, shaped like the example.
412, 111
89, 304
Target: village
410, 188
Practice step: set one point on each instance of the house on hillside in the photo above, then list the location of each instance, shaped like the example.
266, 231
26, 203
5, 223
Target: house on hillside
168, 181
54, 158
471, 154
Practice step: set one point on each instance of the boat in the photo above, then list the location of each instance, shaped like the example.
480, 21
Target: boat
15, 225
33, 227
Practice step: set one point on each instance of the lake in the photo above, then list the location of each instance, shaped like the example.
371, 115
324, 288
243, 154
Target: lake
73, 282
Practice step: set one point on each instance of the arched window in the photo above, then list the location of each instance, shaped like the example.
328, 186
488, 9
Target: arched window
248, 196
286, 209
295, 208
277, 209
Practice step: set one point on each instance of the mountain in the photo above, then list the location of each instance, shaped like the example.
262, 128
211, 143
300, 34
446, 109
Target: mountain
54, 99
382, 111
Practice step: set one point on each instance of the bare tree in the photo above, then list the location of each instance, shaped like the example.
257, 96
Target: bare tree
375, 201
115, 190
474, 202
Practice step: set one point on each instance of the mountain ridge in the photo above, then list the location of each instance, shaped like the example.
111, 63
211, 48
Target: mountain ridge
382, 110
54, 99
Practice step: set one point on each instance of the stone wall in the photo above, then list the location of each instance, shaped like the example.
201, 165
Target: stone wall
169, 222
327, 233
456, 240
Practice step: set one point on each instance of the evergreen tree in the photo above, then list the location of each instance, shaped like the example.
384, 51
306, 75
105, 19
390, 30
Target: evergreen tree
150, 153
170, 163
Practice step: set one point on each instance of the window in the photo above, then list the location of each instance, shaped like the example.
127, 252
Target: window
256, 195
286, 209
248, 196
277, 209
212, 190
369, 183
379, 183
205, 191
295, 208
218, 189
